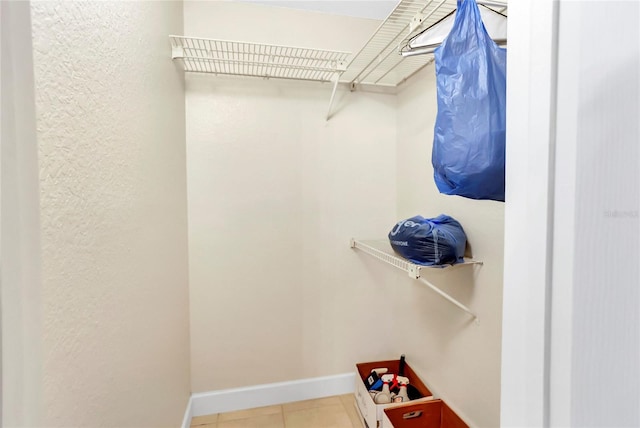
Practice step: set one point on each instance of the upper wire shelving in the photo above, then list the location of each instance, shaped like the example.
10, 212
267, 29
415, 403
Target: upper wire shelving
382, 251
257, 59
380, 63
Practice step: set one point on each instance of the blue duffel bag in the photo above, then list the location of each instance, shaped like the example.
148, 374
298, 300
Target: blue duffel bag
429, 241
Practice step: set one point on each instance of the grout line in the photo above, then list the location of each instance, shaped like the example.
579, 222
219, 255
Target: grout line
343, 405
284, 421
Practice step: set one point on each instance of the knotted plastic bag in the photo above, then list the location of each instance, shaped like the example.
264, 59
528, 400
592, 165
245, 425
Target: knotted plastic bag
429, 241
469, 137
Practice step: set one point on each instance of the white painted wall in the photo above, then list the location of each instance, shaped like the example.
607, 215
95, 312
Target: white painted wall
458, 359
272, 301
372, 9
286, 303
110, 120
595, 353
275, 194
20, 283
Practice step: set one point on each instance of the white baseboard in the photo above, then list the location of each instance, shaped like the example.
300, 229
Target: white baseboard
228, 400
186, 420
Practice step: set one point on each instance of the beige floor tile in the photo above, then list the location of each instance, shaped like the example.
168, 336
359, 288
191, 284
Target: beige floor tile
310, 404
249, 413
204, 420
332, 416
347, 399
349, 403
265, 421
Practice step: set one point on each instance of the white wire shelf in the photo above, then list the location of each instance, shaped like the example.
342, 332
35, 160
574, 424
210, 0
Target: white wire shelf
380, 62
257, 59
381, 250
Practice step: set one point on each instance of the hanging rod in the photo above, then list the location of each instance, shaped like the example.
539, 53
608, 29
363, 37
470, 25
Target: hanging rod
379, 61
490, 3
431, 49
382, 251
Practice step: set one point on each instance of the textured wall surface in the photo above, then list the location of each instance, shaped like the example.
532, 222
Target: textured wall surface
110, 119
275, 194
458, 359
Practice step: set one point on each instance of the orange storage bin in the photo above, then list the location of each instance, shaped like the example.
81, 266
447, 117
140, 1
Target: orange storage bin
372, 413
430, 414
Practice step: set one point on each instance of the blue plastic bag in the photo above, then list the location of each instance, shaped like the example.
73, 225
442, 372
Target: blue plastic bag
469, 137
429, 241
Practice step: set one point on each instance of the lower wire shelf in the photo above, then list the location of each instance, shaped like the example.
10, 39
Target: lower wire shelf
381, 250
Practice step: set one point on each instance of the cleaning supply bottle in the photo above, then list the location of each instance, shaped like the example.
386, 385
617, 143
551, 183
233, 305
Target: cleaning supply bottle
384, 396
403, 381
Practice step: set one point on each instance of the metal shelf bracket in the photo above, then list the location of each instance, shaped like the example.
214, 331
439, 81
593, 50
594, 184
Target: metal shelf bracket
382, 251
336, 80
177, 52
260, 60
414, 271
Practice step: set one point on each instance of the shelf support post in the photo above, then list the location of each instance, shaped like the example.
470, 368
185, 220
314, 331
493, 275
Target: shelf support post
447, 297
336, 80
412, 269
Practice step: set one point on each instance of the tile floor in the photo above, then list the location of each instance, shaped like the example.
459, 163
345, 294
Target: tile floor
329, 412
